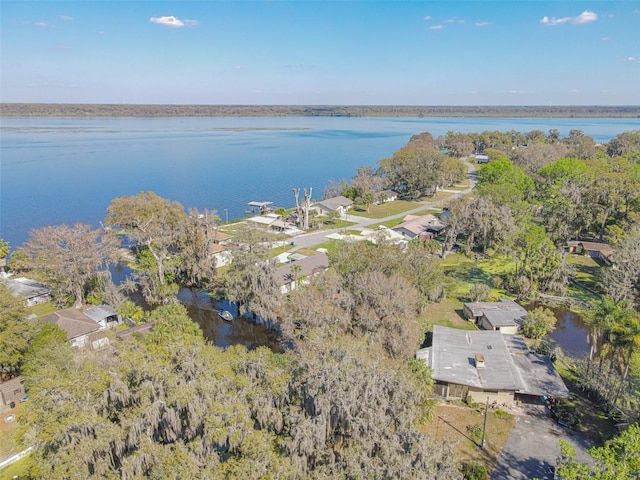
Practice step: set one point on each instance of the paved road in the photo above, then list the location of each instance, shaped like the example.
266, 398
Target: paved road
307, 240
533, 446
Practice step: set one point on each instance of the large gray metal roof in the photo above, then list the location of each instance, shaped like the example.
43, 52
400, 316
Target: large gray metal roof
508, 364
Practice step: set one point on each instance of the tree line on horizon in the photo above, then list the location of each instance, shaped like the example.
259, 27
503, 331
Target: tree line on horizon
418, 111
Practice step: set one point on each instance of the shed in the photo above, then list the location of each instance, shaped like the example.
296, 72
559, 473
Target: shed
103, 315
505, 315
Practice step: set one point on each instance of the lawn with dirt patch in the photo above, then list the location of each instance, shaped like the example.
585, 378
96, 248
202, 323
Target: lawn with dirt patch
462, 425
8, 430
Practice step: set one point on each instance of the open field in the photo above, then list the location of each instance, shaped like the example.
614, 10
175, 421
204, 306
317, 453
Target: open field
8, 444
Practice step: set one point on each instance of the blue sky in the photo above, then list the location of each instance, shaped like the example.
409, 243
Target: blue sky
321, 53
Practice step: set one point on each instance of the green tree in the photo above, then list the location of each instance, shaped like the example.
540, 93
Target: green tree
413, 172
15, 332
154, 224
617, 458
538, 323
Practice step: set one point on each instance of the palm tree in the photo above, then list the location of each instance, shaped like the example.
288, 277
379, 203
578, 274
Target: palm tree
626, 336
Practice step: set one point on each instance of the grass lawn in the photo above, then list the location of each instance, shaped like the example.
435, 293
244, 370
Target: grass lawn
387, 209
451, 421
8, 444
448, 313
464, 272
42, 309
18, 469
587, 270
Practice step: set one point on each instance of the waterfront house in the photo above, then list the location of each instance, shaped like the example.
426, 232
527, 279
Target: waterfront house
297, 271
385, 196
505, 316
82, 331
33, 292
338, 204
486, 365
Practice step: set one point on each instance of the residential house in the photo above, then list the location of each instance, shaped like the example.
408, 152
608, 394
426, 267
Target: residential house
103, 315
33, 292
264, 221
486, 365
11, 392
598, 250
291, 274
481, 158
82, 331
506, 316
425, 227
385, 196
338, 204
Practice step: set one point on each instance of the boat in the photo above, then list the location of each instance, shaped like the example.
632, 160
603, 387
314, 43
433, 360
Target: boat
225, 315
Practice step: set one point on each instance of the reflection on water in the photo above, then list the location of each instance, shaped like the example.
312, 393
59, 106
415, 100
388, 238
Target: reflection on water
570, 333
204, 311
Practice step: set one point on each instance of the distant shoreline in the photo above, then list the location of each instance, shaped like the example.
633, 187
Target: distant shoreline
129, 110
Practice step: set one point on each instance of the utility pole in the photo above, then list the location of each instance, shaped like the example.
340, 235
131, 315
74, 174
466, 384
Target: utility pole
484, 427
226, 216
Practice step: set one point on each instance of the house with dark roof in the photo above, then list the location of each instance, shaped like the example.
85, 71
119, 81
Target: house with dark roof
33, 292
291, 274
598, 250
506, 316
338, 204
82, 331
482, 364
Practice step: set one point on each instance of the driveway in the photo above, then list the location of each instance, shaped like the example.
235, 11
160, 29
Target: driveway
533, 446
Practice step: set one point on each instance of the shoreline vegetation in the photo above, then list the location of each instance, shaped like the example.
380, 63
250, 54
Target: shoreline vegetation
131, 110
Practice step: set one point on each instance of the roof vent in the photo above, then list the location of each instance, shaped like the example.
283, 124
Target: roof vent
479, 360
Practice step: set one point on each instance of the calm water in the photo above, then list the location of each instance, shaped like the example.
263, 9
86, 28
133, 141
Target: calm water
66, 170
570, 333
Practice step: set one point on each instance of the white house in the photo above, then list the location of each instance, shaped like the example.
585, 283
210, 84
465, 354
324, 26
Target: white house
338, 204
33, 292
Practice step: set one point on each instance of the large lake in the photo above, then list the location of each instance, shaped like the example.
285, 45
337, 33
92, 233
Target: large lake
65, 170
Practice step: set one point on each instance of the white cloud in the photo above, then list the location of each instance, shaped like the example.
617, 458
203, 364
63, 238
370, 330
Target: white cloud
65, 18
604, 39
436, 27
519, 92
631, 59
482, 24
585, 17
427, 18
41, 24
173, 22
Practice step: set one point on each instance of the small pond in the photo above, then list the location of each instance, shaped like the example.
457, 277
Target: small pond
570, 333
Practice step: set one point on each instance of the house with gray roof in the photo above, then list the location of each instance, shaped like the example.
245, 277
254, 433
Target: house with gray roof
82, 331
485, 364
424, 227
103, 315
338, 204
33, 292
505, 315
289, 275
